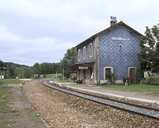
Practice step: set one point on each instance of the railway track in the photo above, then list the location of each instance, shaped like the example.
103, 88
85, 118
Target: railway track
141, 110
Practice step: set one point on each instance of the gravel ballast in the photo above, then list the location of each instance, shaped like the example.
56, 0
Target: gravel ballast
61, 110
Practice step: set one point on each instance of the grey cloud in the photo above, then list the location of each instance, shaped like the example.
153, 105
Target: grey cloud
37, 30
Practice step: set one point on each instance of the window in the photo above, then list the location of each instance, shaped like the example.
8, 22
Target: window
108, 73
91, 50
79, 52
84, 52
87, 51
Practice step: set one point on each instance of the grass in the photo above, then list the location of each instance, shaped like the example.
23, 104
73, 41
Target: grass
65, 80
135, 88
9, 81
4, 93
5, 122
3, 99
58, 78
52, 75
130, 88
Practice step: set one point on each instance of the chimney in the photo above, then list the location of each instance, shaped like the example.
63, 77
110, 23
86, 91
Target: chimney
113, 20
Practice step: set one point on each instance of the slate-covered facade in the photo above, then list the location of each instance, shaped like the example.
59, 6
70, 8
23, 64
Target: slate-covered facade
110, 55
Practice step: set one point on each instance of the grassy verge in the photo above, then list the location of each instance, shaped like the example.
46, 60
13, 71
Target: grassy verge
3, 99
4, 93
63, 81
9, 81
135, 88
5, 122
58, 78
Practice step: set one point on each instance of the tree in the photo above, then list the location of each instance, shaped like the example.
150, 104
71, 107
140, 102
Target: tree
68, 61
28, 73
147, 46
22, 72
11, 71
155, 30
156, 59
149, 55
150, 40
46, 68
36, 68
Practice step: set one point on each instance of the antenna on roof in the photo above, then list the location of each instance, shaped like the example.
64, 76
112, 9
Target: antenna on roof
113, 20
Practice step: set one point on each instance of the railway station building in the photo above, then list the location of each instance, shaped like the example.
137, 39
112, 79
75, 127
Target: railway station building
109, 55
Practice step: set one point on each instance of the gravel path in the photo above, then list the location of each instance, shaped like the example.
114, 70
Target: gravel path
25, 116
64, 111
19, 113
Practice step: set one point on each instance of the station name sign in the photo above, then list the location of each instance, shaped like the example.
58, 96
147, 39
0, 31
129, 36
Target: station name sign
82, 67
120, 38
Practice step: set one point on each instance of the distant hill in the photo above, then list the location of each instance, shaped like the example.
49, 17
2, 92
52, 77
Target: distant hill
5, 64
12, 70
17, 65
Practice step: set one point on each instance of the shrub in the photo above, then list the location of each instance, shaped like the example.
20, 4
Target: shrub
151, 80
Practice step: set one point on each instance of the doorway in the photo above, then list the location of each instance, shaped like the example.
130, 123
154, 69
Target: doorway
132, 74
108, 71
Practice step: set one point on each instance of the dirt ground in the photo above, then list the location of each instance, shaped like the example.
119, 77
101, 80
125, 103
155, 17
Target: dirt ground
60, 110
19, 113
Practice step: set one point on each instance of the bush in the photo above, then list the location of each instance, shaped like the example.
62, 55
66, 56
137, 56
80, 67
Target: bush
154, 80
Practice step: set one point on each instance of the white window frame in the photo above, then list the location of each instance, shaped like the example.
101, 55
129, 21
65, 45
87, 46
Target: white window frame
108, 67
129, 71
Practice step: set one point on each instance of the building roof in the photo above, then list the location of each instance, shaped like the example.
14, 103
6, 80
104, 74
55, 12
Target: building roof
121, 23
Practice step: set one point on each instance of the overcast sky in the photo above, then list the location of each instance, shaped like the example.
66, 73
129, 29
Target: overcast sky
42, 30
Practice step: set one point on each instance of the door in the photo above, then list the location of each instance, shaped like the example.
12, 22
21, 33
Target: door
84, 76
108, 73
132, 74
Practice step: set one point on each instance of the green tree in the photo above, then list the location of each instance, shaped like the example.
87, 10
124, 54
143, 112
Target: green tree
36, 68
11, 71
68, 61
149, 55
155, 31
22, 72
28, 73
147, 44
150, 39
19, 72
46, 68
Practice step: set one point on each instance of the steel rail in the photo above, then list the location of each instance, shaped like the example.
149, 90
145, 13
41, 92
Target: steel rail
141, 110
